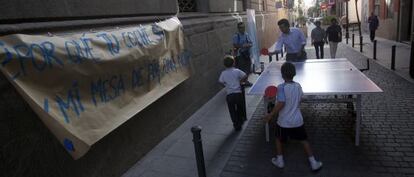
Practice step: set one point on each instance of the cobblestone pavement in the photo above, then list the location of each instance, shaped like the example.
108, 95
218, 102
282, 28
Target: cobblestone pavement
387, 134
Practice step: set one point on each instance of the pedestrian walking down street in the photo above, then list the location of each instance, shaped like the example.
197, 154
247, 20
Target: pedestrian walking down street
290, 123
242, 45
373, 25
318, 39
294, 41
334, 36
231, 78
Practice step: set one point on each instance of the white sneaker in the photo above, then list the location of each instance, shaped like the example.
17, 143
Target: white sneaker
316, 165
278, 163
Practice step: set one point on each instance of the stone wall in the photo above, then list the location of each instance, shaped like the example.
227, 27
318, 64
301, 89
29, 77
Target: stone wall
225, 5
46, 9
28, 148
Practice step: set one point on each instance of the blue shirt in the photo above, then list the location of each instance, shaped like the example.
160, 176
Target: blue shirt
241, 39
290, 116
292, 41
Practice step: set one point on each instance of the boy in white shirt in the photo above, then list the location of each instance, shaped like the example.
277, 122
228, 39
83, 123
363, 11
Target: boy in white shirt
231, 78
290, 120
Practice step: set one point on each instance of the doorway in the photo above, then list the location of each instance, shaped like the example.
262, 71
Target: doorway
405, 20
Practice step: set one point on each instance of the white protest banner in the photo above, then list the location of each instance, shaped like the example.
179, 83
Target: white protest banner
251, 30
83, 86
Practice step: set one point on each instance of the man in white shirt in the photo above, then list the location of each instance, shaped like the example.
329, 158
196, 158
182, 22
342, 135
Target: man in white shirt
293, 40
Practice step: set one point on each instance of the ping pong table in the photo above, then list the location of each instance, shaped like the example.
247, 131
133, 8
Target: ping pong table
322, 77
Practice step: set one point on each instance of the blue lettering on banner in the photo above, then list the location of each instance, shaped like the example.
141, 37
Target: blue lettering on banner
96, 88
112, 47
79, 51
74, 51
46, 105
88, 50
28, 52
8, 54
8, 59
73, 102
184, 58
48, 54
24, 57
168, 65
143, 36
154, 71
68, 145
107, 89
139, 37
130, 39
137, 77
41, 65
23, 53
158, 31
45, 49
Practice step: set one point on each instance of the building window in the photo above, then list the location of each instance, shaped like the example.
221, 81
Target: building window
390, 6
377, 6
187, 5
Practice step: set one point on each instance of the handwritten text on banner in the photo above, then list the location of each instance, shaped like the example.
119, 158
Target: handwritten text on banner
83, 86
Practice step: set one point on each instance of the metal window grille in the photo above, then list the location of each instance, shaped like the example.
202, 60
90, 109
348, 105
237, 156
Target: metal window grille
187, 5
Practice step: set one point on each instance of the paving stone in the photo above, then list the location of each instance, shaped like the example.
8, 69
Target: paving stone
407, 170
408, 159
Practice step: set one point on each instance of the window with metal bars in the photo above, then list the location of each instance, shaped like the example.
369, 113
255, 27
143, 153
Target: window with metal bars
187, 5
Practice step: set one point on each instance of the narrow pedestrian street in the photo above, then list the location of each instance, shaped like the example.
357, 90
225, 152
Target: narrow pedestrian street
387, 143
155, 88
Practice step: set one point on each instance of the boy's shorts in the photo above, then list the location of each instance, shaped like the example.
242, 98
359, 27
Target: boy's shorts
297, 133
